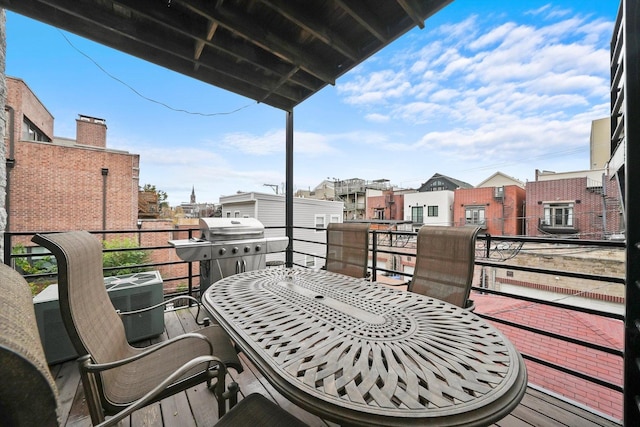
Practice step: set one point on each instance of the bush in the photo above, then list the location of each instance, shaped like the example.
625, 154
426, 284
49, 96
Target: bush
124, 259
35, 264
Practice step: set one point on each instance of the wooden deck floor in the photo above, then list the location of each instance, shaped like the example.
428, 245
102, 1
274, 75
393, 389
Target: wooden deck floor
196, 407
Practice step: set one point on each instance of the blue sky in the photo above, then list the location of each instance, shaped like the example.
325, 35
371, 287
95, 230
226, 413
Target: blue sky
486, 86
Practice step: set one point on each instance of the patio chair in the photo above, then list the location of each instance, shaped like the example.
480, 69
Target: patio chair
444, 264
28, 393
347, 248
115, 374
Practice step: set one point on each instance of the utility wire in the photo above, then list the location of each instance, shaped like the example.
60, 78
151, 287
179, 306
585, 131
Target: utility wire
179, 110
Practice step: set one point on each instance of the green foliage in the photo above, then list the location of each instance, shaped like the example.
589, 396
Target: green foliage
36, 264
124, 258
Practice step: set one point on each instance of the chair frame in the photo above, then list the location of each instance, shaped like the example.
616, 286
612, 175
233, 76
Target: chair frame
91, 372
347, 248
445, 262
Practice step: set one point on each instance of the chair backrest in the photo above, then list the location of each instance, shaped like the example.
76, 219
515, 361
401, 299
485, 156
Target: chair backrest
444, 263
28, 394
90, 319
348, 248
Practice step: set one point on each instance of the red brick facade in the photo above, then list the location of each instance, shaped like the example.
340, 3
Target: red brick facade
503, 208
60, 185
594, 215
391, 205
91, 131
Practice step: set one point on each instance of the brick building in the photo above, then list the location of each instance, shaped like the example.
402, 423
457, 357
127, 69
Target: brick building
498, 210
59, 184
586, 206
386, 206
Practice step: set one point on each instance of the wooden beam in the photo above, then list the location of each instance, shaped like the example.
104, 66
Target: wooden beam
301, 17
256, 32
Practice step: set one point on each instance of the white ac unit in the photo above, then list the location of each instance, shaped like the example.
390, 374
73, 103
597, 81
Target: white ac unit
127, 293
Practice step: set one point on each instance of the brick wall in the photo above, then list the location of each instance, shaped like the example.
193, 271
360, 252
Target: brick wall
503, 216
392, 211
60, 188
91, 131
25, 103
173, 275
588, 206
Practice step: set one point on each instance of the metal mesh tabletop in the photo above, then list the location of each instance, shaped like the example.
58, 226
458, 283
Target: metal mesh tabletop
360, 353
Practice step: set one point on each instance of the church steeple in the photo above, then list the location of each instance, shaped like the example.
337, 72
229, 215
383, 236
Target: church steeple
193, 194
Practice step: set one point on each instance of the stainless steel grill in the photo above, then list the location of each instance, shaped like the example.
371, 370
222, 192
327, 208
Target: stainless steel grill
228, 246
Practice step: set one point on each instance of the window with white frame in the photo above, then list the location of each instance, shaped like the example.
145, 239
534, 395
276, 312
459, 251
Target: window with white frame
335, 218
378, 213
310, 261
474, 215
558, 215
236, 214
320, 222
432, 210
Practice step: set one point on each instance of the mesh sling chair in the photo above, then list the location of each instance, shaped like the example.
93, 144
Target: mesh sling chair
28, 393
115, 374
444, 263
348, 248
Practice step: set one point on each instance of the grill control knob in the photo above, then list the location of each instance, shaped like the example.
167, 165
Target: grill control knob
222, 251
258, 248
234, 250
247, 249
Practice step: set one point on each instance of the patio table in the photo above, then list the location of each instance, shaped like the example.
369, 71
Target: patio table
360, 353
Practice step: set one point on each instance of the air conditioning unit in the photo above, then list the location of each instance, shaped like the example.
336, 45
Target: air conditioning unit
127, 293
135, 291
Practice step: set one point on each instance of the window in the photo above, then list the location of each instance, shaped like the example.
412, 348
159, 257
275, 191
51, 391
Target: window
236, 214
437, 185
335, 218
30, 132
432, 211
474, 216
558, 215
320, 223
378, 213
416, 214
228, 214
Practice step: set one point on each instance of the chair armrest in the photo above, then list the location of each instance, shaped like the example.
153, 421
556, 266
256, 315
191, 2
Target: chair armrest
144, 400
170, 300
97, 367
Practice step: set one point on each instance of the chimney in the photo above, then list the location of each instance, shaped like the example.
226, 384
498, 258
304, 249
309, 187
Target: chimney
91, 131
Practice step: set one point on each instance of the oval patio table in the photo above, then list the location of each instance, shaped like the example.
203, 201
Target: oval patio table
359, 353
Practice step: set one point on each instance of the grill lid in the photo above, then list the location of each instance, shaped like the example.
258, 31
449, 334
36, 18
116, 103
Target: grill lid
216, 229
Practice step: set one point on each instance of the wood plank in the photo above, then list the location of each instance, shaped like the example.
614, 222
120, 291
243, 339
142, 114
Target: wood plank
547, 400
79, 413
176, 411
511, 421
556, 414
148, 416
67, 381
204, 406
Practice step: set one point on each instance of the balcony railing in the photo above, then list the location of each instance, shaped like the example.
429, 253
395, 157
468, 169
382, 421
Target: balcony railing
562, 317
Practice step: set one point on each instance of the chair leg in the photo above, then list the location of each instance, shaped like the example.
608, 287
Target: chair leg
232, 394
90, 388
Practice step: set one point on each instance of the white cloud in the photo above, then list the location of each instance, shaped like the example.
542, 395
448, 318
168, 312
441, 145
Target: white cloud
494, 91
274, 142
